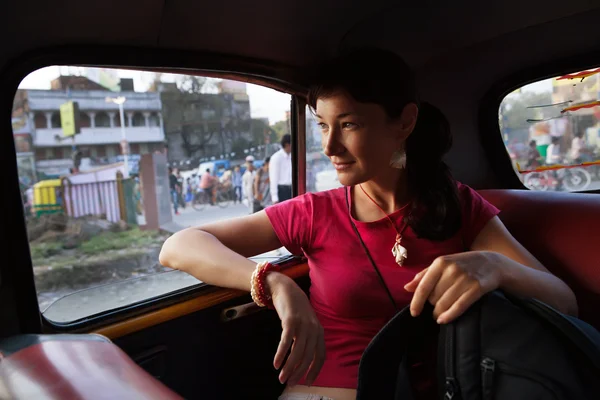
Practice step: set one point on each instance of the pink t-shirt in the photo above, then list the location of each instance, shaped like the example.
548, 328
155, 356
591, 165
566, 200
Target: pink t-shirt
345, 292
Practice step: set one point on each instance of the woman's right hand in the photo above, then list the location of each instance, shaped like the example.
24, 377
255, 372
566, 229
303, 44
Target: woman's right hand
302, 332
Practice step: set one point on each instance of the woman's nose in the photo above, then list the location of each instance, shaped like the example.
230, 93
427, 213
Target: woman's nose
331, 143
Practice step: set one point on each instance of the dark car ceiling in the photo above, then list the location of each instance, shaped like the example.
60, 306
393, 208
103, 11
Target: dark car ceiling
294, 33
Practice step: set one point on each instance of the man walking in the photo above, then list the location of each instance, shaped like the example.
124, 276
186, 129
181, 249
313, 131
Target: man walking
280, 171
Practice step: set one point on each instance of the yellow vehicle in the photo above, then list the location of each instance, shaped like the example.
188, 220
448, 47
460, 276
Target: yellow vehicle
47, 197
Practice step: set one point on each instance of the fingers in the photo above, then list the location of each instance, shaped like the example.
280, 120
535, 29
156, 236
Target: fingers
461, 305
425, 288
318, 360
284, 346
295, 358
412, 285
306, 361
449, 297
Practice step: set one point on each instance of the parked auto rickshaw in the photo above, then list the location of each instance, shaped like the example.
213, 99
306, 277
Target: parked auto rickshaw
47, 197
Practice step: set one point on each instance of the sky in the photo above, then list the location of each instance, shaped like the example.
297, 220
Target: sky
264, 102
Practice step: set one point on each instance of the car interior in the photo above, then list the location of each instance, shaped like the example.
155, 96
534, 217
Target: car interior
211, 343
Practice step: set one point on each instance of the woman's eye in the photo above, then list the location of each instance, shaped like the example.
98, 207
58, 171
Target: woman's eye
322, 125
348, 125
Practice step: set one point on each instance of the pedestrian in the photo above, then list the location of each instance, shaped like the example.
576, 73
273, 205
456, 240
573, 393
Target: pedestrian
236, 180
248, 182
280, 171
207, 184
173, 184
180, 182
262, 187
553, 155
189, 193
533, 156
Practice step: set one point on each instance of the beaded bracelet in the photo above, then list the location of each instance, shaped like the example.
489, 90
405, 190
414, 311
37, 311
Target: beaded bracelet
258, 284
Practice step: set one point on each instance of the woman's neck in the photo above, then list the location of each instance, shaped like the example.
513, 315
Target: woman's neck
389, 192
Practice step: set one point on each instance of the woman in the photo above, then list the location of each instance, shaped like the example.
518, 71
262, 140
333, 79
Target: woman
262, 188
387, 150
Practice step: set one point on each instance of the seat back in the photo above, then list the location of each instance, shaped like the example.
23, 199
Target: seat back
563, 231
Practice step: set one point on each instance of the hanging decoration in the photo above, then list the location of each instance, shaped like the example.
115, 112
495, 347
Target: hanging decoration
579, 75
580, 105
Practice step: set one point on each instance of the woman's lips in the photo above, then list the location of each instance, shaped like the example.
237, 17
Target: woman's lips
342, 166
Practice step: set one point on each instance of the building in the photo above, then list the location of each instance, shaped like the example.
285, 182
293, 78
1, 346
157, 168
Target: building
36, 114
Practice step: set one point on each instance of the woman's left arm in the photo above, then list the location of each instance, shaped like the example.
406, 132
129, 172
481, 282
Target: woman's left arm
496, 261
520, 272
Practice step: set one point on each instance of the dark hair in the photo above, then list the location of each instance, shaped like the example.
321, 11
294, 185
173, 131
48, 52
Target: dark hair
579, 134
555, 140
286, 139
383, 78
267, 160
533, 143
207, 169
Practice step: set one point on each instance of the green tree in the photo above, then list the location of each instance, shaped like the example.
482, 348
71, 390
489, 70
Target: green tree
281, 128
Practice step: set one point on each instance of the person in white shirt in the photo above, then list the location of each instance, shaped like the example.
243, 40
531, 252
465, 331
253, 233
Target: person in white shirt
553, 152
577, 145
248, 182
280, 172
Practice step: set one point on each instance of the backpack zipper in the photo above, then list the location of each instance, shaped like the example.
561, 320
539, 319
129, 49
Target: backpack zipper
489, 367
451, 387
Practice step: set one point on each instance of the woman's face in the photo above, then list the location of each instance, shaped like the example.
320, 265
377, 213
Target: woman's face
359, 138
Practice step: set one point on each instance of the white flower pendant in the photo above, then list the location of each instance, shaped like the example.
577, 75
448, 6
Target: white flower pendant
400, 253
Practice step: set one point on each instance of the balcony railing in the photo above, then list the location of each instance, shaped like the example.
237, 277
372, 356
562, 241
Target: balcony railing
96, 136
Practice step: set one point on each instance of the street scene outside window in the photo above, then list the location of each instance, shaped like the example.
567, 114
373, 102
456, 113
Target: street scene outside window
111, 162
551, 130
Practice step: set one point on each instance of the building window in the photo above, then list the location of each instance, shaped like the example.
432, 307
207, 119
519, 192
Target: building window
138, 119
102, 120
135, 148
39, 120
84, 120
111, 151
40, 154
101, 151
55, 120
154, 120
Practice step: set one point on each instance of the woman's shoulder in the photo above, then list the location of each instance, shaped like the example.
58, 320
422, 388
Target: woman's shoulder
326, 197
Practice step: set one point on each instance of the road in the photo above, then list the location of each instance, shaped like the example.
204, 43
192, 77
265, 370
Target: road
189, 217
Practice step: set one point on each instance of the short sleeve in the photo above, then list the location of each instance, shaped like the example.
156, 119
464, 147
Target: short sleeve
292, 221
476, 213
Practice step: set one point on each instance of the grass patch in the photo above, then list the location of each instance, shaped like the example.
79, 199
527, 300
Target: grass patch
106, 245
40, 251
107, 241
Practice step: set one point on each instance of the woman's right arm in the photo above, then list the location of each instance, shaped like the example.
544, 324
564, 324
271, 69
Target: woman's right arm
218, 253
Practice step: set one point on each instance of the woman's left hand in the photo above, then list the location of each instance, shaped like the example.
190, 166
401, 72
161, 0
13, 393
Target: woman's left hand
453, 283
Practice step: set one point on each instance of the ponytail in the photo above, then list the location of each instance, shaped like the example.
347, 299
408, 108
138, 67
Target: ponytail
436, 211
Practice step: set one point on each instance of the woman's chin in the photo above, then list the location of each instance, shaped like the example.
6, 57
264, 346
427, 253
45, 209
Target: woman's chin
348, 179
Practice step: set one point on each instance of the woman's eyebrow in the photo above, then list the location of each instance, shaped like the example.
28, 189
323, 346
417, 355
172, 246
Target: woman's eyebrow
342, 115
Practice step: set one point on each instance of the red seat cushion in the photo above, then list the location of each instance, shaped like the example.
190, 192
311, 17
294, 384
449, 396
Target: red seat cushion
563, 231
73, 367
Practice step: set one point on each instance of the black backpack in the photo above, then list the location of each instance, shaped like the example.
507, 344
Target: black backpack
502, 348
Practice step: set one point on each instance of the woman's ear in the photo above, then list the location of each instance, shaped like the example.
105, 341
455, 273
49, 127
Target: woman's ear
405, 123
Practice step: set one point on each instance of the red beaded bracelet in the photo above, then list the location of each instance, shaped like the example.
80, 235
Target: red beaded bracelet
263, 295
